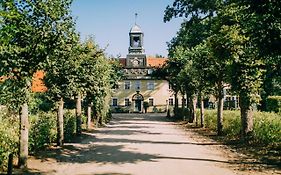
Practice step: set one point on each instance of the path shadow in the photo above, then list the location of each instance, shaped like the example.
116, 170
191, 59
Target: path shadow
112, 174
102, 154
116, 140
125, 132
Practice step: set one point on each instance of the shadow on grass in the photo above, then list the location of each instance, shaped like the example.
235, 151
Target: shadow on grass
255, 152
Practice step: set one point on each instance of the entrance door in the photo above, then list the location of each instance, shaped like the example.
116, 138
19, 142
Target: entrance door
138, 105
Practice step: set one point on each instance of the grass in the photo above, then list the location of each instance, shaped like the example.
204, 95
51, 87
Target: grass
265, 143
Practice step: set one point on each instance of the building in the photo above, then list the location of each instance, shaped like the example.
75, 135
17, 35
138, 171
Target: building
138, 88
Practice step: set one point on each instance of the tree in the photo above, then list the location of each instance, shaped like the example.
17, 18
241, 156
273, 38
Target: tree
236, 47
192, 36
262, 21
202, 73
30, 31
247, 67
99, 76
60, 78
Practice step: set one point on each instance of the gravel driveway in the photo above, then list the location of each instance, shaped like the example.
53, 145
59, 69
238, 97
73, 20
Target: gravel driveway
140, 144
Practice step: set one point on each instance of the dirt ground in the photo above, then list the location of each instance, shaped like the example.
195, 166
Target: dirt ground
142, 144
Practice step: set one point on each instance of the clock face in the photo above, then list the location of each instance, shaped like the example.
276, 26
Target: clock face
135, 62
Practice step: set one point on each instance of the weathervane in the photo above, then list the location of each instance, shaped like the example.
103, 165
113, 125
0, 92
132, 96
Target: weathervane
136, 16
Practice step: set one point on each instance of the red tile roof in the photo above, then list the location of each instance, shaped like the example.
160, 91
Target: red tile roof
155, 62
151, 61
37, 82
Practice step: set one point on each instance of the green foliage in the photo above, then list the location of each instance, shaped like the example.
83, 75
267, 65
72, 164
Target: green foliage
40, 102
69, 125
273, 104
9, 136
267, 126
241, 43
120, 109
99, 76
30, 33
42, 131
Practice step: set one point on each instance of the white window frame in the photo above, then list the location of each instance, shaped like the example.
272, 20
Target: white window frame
151, 85
127, 101
171, 101
137, 85
127, 85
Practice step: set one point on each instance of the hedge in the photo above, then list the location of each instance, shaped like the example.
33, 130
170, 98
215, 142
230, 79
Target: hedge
273, 104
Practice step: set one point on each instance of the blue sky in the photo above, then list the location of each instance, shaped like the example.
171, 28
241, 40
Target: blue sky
110, 21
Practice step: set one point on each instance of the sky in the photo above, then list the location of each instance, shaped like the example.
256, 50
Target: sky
110, 21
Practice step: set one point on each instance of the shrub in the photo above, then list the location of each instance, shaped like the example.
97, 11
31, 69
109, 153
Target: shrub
273, 104
210, 119
267, 126
232, 124
69, 125
9, 136
42, 130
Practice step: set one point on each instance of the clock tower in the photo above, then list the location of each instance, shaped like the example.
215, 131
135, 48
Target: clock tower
136, 57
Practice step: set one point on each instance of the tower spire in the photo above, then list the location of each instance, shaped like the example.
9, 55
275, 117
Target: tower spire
136, 16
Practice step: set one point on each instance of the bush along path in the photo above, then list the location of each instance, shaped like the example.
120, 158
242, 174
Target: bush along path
144, 144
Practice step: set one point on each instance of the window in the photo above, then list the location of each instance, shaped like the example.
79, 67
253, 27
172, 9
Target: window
150, 102
127, 102
138, 85
127, 84
150, 85
114, 102
171, 101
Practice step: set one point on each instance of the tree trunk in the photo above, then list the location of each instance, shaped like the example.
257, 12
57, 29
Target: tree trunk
100, 121
202, 118
183, 103
220, 109
60, 135
176, 109
190, 108
89, 117
246, 117
194, 102
24, 125
78, 115
96, 117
